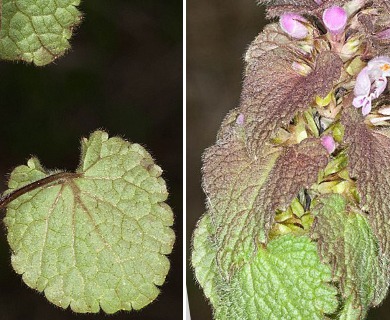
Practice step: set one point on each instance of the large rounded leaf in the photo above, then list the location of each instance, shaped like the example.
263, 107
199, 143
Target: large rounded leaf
97, 237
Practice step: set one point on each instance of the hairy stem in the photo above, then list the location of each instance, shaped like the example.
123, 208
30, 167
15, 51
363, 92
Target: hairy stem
56, 178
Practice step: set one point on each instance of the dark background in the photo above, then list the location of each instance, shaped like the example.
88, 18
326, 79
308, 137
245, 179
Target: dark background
123, 74
218, 33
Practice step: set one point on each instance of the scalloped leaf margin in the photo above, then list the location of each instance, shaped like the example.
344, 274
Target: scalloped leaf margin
98, 239
37, 31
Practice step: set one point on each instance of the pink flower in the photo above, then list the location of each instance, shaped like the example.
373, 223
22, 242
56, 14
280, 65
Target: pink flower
328, 143
335, 19
382, 63
291, 24
370, 83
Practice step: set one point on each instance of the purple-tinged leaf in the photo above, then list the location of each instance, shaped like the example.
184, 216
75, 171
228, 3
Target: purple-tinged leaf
369, 164
232, 181
296, 168
231, 124
314, 7
272, 38
373, 28
243, 192
273, 92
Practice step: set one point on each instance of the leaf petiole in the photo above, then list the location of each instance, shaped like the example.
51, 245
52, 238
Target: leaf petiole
56, 178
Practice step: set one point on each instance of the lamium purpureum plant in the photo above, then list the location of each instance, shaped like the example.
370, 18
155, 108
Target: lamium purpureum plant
96, 238
298, 203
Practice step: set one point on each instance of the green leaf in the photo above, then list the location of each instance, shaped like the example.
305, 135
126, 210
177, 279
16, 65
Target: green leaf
346, 242
284, 281
203, 259
95, 238
37, 30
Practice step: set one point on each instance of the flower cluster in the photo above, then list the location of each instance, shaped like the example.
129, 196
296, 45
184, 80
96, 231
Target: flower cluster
372, 80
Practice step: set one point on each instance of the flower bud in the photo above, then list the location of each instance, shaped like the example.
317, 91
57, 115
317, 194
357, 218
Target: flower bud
328, 143
291, 24
240, 119
385, 110
379, 121
335, 19
302, 68
351, 46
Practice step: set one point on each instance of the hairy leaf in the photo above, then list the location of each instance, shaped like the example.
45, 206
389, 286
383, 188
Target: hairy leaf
37, 30
229, 127
347, 243
96, 238
204, 259
286, 280
296, 168
244, 192
232, 182
273, 92
278, 7
371, 25
369, 164
272, 38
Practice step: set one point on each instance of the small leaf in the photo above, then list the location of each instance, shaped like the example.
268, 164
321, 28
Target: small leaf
346, 242
284, 281
37, 30
295, 169
272, 38
370, 27
96, 238
273, 92
369, 149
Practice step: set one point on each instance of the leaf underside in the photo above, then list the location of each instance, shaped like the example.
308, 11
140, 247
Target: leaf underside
99, 239
37, 30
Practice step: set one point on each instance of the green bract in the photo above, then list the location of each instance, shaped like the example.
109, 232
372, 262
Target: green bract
37, 30
96, 238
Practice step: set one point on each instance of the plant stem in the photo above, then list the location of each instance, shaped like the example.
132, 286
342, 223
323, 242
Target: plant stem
58, 178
